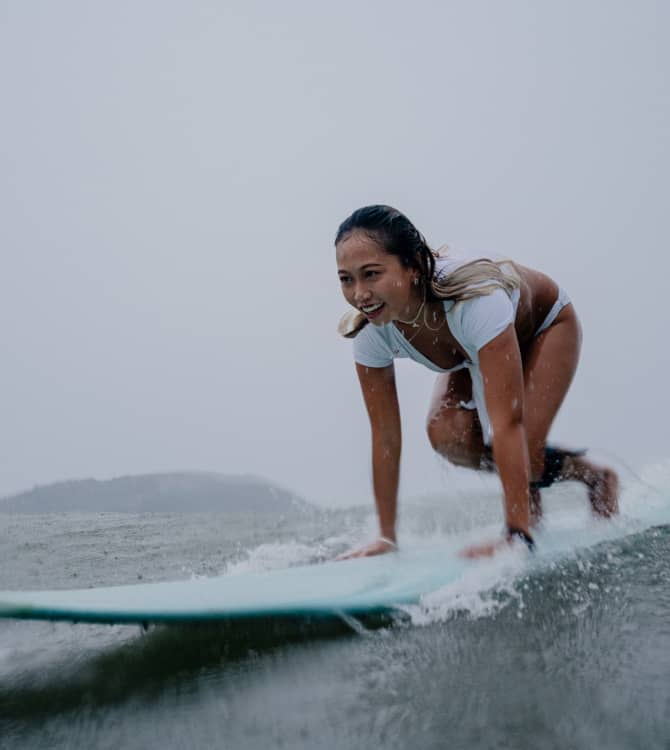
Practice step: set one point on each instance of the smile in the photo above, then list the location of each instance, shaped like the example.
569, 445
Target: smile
371, 311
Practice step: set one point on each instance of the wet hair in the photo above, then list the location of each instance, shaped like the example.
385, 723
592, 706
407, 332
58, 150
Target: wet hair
398, 236
395, 233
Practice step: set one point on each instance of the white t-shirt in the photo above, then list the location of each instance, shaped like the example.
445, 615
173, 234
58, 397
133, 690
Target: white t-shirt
473, 323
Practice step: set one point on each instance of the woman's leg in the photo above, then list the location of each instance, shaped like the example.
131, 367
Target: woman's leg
453, 430
550, 362
549, 366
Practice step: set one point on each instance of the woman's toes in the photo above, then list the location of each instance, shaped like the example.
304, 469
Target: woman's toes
604, 493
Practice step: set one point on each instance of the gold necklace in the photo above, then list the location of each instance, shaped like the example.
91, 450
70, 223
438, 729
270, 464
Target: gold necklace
433, 329
413, 322
424, 324
416, 317
415, 334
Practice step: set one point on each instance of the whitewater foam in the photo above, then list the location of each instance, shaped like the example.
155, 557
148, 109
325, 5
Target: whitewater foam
492, 584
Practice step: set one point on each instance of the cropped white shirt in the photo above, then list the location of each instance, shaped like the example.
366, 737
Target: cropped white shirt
473, 323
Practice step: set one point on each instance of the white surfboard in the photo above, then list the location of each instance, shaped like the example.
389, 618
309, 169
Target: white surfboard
349, 586
374, 584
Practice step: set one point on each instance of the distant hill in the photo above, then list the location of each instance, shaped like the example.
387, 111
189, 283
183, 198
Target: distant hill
184, 492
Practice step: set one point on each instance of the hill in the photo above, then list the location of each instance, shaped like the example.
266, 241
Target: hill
183, 492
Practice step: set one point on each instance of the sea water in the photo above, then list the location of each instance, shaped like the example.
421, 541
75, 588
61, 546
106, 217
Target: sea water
572, 653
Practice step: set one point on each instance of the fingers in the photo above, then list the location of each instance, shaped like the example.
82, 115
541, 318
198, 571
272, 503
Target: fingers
348, 555
380, 546
487, 549
479, 550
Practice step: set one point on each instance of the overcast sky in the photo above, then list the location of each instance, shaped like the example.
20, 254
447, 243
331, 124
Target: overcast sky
172, 175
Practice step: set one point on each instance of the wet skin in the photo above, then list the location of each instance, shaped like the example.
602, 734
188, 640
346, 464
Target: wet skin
370, 278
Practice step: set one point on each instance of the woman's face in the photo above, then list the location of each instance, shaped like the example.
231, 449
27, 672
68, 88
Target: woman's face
376, 282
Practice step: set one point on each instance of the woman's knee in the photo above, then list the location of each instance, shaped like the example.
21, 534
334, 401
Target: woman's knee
455, 434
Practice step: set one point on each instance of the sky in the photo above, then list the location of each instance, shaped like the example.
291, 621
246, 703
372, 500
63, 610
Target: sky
172, 175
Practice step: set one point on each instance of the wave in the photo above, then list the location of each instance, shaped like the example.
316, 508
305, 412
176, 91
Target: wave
569, 538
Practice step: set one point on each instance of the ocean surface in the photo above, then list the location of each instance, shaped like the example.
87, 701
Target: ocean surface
572, 654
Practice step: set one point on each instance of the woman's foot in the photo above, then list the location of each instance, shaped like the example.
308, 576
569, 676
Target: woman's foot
602, 484
604, 492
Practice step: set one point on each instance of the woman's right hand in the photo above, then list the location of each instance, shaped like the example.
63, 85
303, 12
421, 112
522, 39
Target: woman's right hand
380, 546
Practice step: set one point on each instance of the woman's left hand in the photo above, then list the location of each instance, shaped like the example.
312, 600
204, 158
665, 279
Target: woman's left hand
381, 546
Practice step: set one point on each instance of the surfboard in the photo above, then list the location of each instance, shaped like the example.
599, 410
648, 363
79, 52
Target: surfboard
350, 586
357, 586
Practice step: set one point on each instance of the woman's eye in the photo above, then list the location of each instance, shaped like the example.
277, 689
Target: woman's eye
371, 274
344, 279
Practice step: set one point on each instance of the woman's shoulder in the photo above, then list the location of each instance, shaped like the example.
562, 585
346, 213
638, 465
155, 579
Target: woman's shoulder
374, 346
477, 321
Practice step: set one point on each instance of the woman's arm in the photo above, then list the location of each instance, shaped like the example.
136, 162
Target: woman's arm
381, 401
502, 374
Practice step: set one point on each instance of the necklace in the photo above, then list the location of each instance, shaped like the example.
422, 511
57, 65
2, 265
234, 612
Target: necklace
415, 334
424, 325
425, 321
413, 322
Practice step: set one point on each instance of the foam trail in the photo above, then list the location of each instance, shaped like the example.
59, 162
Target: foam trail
486, 585
273, 556
565, 530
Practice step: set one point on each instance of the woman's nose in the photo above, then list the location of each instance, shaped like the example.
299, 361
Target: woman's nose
361, 293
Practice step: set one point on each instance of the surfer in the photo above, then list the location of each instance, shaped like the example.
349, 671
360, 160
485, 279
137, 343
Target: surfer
505, 340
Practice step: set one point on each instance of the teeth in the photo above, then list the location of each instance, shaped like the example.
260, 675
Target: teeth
371, 308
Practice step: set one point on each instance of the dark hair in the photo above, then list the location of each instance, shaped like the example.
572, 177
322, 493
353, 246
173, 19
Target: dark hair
395, 233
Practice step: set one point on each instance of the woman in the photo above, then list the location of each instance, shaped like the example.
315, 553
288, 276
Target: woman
505, 340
